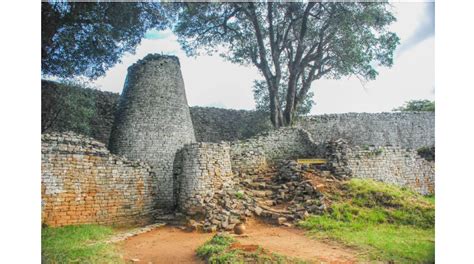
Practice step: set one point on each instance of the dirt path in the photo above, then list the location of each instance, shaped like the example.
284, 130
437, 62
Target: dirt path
294, 243
172, 245
165, 245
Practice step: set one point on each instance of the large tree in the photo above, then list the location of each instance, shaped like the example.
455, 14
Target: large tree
88, 38
262, 99
302, 41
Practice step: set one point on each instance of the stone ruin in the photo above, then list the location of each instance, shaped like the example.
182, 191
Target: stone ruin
153, 121
156, 171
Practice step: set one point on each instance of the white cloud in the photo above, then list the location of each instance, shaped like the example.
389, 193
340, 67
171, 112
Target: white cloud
425, 24
411, 77
211, 81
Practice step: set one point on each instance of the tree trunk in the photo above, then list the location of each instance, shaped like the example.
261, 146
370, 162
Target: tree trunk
275, 111
290, 99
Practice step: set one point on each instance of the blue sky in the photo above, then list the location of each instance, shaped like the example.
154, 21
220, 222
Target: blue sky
211, 81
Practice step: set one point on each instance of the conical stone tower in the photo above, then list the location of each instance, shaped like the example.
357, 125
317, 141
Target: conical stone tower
153, 120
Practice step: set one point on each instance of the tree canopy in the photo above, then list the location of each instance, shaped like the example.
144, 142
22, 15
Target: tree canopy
262, 99
417, 106
291, 43
88, 38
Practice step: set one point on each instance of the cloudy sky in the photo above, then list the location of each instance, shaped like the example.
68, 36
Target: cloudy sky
211, 81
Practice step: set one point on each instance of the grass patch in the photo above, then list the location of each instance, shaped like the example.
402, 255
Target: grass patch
223, 249
240, 195
390, 223
77, 244
216, 247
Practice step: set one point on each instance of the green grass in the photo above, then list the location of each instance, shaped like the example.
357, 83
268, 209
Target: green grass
78, 244
218, 251
240, 195
389, 223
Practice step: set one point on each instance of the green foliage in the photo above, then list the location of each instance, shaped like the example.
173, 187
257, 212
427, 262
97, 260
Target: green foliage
291, 43
77, 244
66, 104
378, 151
427, 153
262, 99
240, 195
69, 106
218, 251
371, 150
400, 206
206, 26
215, 247
417, 106
88, 38
391, 223
225, 258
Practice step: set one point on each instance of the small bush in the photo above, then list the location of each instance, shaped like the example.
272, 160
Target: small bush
220, 250
427, 153
240, 195
218, 244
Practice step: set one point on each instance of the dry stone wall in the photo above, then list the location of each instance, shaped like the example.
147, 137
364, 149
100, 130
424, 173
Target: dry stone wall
393, 165
206, 168
405, 129
82, 183
286, 143
217, 124
153, 120
336, 156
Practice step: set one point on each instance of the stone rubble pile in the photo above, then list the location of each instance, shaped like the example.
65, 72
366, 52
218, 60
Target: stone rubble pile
284, 195
223, 211
301, 197
280, 194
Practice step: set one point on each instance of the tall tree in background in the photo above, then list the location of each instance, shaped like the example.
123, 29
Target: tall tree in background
88, 38
292, 44
262, 99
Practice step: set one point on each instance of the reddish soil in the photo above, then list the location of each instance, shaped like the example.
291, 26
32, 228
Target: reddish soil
172, 245
164, 245
293, 242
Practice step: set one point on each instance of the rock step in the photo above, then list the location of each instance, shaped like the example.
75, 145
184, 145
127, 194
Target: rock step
274, 210
265, 202
261, 186
261, 193
263, 180
277, 218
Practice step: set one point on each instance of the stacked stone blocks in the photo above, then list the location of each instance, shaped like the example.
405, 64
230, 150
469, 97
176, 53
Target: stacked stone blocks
394, 165
206, 168
404, 129
81, 182
257, 153
153, 121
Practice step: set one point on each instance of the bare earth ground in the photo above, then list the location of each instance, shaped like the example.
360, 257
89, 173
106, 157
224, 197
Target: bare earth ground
164, 245
172, 245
